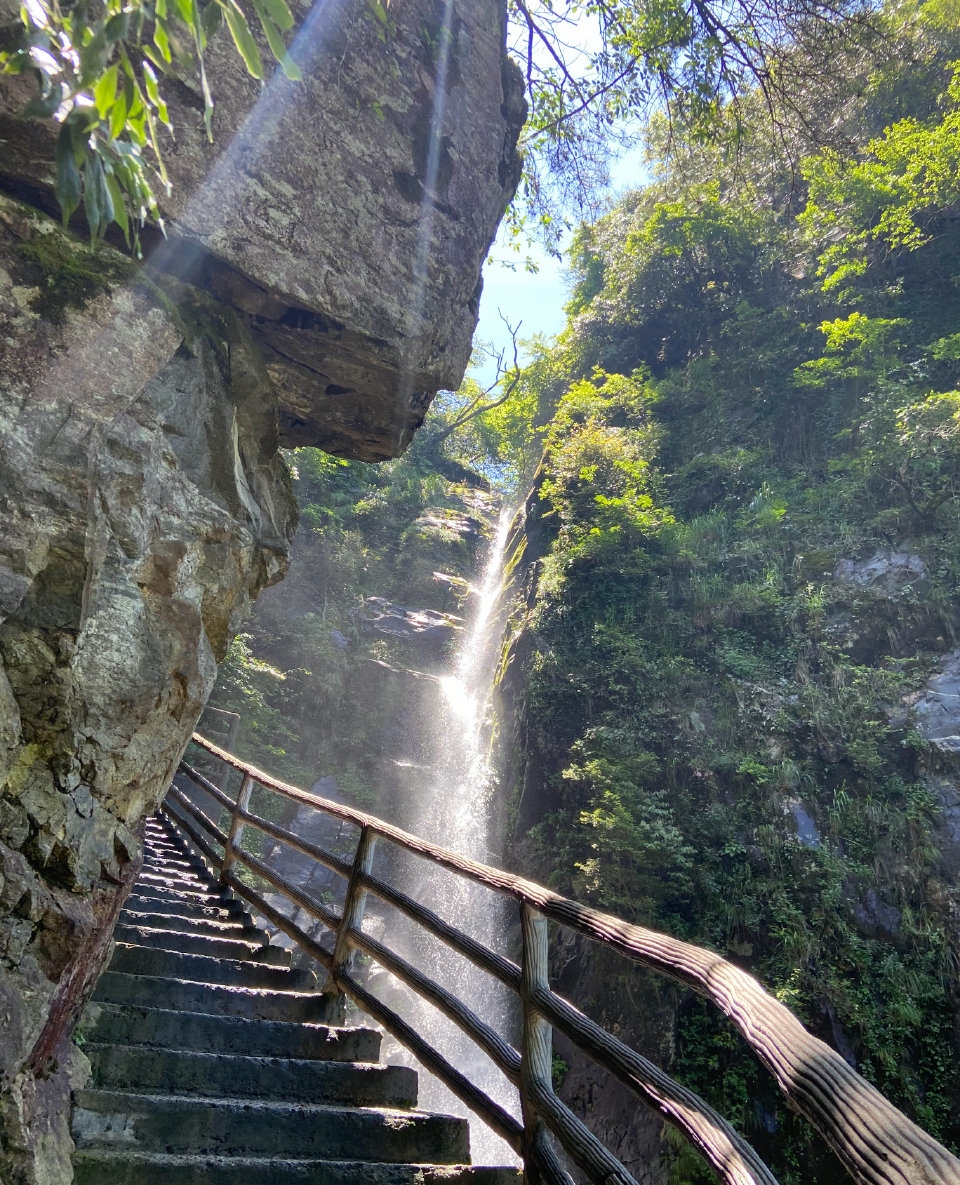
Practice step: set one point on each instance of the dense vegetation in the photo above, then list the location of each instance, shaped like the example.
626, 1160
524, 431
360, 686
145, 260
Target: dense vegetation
757, 389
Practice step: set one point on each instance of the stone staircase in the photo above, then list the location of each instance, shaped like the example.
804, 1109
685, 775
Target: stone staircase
215, 1062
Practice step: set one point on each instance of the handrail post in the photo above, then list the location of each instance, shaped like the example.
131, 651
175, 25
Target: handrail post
230, 746
536, 1065
236, 827
354, 905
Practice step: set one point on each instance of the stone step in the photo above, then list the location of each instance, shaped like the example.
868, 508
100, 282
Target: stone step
231, 911
184, 923
210, 898
141, 960
202, 944
237, 1076
204, 1033
144, 991
164, 1123
178, 881
101, 1166
157, 883
166, 847
154, 860
166, 867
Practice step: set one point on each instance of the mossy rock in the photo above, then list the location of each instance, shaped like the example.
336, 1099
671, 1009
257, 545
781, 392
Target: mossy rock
71, 273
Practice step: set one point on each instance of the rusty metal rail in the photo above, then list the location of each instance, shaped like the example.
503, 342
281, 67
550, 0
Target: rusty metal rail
877, 1144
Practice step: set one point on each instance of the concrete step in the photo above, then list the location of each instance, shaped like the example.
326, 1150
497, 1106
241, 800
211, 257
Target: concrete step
184, 923
141, 960
144, 991
236, 1076
163, 1123
169, 1029
202, 944
99, 1167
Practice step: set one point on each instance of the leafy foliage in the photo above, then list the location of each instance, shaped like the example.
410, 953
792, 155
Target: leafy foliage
99, 65
715, 706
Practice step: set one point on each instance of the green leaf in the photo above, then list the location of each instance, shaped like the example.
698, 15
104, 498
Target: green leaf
161, 40
119, 206
67, 184
117, 27
275, 41
212, 19
150, 82
243, 38
104, 197
93, 58
105, 91
280, 14
118, 116
43, 106
91, 198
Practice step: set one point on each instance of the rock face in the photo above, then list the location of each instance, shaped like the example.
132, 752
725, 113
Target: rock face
936, 707
319, 284
349, 216
890, 572
144, 506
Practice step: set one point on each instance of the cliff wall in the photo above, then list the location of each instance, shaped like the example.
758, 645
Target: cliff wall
145, 502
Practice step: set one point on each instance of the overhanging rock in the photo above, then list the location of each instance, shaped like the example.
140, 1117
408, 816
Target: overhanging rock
347, 217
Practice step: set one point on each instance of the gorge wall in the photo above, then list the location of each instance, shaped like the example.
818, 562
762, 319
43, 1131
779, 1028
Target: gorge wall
729, 703
142, 408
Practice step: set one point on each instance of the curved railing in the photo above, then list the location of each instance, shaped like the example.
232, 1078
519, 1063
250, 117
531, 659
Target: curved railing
877, 1144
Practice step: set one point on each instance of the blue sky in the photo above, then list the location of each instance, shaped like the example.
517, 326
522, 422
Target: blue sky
535, 299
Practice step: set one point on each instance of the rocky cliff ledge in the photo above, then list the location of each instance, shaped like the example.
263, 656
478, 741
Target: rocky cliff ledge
144, 501
348, 216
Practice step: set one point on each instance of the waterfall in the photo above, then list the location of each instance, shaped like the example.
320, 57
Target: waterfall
452, 806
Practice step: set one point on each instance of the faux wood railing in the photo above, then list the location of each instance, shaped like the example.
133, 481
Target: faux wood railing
876, 1143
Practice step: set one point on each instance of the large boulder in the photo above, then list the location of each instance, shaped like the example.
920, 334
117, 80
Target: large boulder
348, 217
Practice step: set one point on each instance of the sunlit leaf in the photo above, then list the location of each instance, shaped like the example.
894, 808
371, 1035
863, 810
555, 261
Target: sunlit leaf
161, 40
105, 91
34, 13
150, 82
280, 14
275, 41
243, 38
44, 61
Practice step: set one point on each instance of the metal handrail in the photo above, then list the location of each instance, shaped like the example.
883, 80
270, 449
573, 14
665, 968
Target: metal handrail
877, 1144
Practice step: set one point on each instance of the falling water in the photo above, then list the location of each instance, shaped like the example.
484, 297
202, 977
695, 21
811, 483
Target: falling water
453, 807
